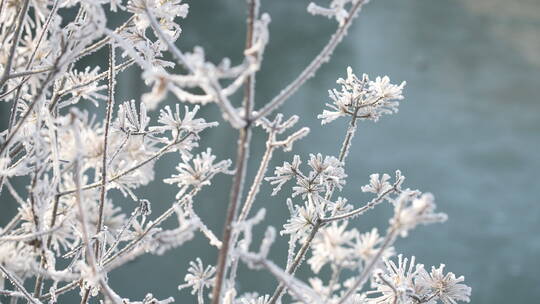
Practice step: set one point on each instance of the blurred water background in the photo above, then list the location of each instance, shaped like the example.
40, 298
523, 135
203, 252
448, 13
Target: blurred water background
468, 131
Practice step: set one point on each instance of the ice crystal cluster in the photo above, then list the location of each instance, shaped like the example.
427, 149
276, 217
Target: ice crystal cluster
68, 234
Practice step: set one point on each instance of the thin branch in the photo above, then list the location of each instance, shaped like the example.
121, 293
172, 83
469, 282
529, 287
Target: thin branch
313, 66
108, 117
11, 277
297, 260
14, 43
359, 211
241, 164
30, 72
24, 237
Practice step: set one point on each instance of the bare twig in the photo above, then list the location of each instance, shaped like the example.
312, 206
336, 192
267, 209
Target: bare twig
14, 43
11, 277
108, 117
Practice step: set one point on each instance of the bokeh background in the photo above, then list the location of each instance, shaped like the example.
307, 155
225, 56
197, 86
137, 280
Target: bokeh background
468, 131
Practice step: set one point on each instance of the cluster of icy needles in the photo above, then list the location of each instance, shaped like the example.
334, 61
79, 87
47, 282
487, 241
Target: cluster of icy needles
69, 161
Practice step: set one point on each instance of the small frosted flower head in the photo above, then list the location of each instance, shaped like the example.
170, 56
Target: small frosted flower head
198, 276
166, 11
411, 211
447, 288
199, 173
382, 88
129, 120
172, 121
396, 282
337, 10
277, 126
366, 245
83, 85
377, 184
284, 173
329, 170
150, 299
301, 220
331, 245
340, 206
362, 98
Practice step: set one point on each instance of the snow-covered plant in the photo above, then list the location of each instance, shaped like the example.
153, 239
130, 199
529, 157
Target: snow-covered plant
69, 160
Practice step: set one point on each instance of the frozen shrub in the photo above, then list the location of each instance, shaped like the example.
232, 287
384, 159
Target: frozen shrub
71, 160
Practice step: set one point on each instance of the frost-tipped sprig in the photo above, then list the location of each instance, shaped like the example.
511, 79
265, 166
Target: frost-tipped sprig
302, 219
176, 125
130, 120
362, 98
198, 278
412, 209
396, 284
437, 285
199, 173
166, 11
408, 282
325, 173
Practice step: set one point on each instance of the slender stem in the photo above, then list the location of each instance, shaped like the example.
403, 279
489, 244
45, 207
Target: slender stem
14, 43
254, 189
61, 290
336, 272
256, 185
108, 117
359, 211
118, 237
235, 197
84, 227
24, 237
313, 66
18, 285
297, 261
9, 226
241, 164
30, 72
